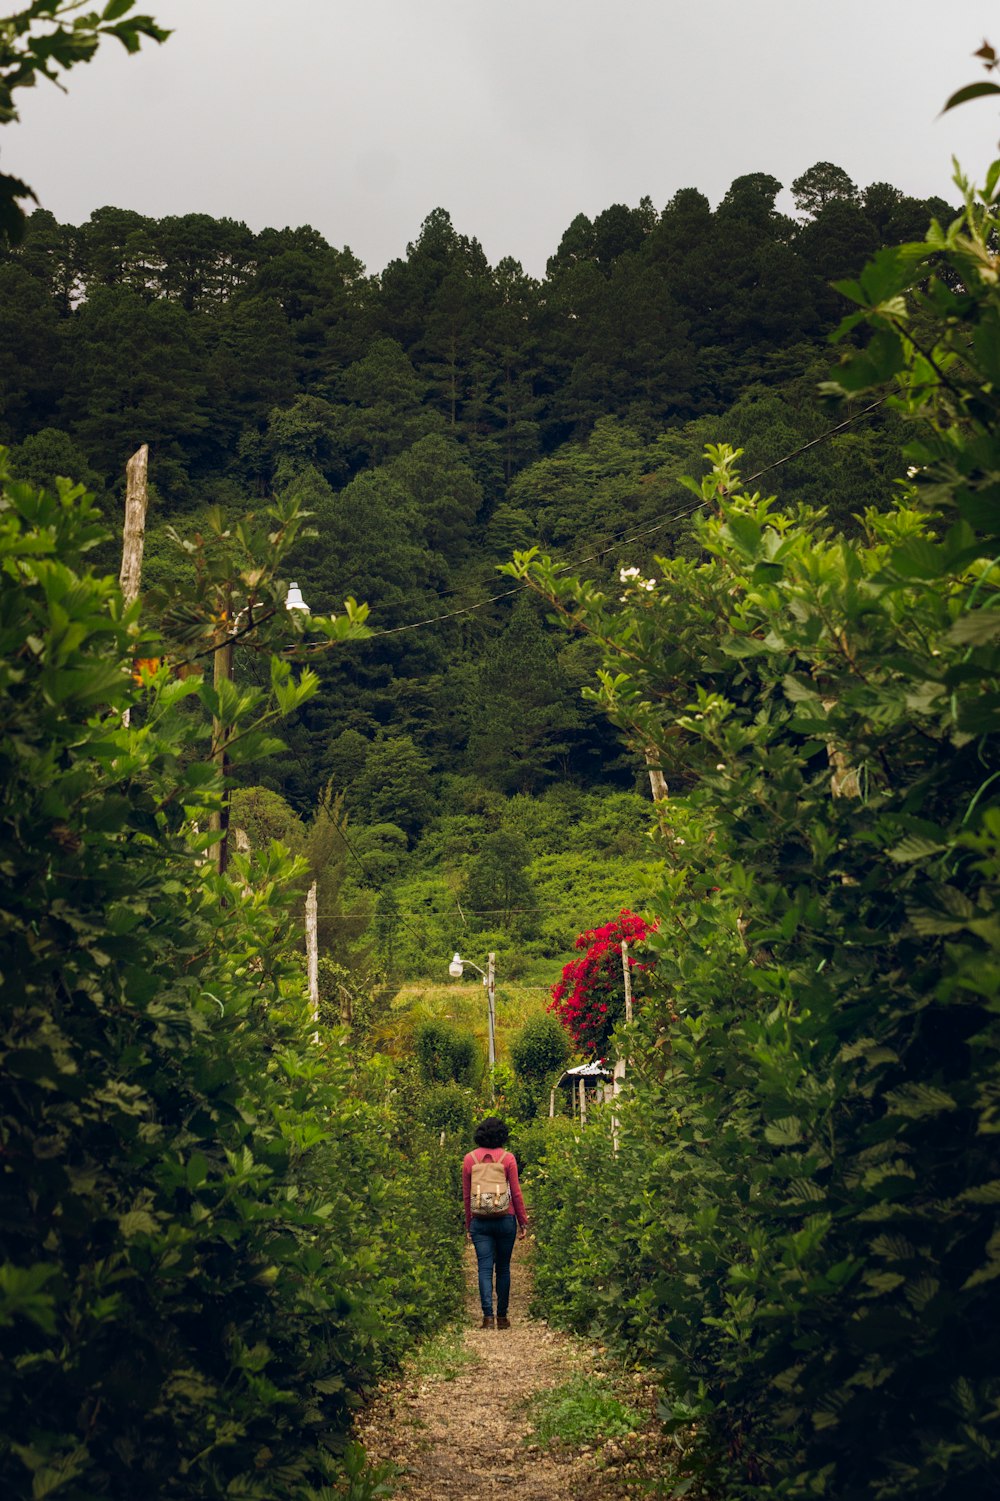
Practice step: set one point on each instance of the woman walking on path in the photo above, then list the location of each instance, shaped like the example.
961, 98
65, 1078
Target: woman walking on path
494, 1214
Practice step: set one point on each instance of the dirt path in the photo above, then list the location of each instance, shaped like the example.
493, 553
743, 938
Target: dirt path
460, 1431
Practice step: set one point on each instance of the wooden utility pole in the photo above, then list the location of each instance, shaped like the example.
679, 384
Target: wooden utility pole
657, 781
492, 1004
222, 672
312, 954
619, 1070
844, 780
136, 503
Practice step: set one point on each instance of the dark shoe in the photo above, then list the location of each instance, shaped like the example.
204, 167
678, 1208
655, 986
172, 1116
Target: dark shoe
503, 1322
487, 1321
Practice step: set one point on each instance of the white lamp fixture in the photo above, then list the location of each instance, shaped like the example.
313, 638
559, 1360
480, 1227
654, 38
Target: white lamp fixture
294, 600
455, 967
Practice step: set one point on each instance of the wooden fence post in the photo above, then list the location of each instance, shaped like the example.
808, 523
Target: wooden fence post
222, 672
657, 781
312, 954
136, 502
619, 1070
134, 538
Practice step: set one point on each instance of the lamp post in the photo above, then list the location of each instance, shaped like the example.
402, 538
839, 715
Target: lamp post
455, 969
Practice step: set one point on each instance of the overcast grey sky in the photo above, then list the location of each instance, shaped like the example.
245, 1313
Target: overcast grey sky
515, 115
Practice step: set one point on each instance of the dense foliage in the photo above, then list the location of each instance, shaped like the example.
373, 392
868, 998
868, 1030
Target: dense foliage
201, 1212
799, 1228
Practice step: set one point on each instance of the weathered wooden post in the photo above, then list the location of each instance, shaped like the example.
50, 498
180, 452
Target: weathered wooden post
222, 672
845, 780
312, 954
136, 502
657, 781
619, 1069
491, 1001
583, 1101
134, 538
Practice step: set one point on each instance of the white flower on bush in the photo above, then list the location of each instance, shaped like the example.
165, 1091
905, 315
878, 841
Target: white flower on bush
634, 577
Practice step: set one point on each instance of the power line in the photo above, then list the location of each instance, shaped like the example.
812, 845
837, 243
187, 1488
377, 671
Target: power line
338, 825
625, 541
474, 911
622, 541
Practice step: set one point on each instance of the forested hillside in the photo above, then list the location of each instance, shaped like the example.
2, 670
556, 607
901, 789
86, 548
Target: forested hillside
434, 417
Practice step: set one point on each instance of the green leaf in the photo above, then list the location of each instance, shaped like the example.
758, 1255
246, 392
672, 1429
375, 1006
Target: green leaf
971, 91
975, 628
785, 1132
745, 532
21, 1294
983, 1193
916, 1100
137, 1222
914, 847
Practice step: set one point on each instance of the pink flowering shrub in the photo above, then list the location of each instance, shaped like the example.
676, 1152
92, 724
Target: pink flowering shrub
589, 1000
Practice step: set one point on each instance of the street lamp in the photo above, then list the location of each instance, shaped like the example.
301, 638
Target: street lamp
455, 969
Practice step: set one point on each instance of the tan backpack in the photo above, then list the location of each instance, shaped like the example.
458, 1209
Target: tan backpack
490, 1189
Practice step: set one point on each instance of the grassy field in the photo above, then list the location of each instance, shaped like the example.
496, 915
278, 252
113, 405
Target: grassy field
461, 1003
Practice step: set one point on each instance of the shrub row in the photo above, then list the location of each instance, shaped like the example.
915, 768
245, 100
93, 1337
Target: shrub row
799, 1229
212, 1236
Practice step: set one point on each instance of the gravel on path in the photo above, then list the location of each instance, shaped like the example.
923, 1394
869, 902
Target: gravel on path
465, 1436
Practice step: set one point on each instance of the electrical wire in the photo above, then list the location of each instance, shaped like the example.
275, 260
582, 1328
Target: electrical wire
624, 541
420, 937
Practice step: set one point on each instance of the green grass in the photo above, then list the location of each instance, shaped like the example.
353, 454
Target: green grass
581, 1411
462, 1003
441, 1357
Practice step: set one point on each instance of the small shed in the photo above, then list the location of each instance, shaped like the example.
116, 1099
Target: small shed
591, 1080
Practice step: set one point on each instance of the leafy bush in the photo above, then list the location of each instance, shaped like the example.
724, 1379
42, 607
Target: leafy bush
799, 1229
444, 1054
203, 1221
528, 1142
447, 1107
539, 1049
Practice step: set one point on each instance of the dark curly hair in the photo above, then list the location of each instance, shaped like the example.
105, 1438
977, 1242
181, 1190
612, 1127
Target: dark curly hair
492, 1132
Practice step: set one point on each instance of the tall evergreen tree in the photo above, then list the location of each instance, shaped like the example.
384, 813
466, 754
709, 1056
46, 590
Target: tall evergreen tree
525, 710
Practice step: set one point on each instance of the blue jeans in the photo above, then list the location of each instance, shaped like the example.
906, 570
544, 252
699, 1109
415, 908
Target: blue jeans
494, 1241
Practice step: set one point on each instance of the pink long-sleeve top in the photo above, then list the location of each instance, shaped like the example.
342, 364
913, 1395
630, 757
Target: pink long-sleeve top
493, 1154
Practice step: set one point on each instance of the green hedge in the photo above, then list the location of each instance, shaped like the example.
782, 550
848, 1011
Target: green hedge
800, 1229
211, 1237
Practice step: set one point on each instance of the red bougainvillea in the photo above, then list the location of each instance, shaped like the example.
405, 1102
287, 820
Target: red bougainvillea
589, 1000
